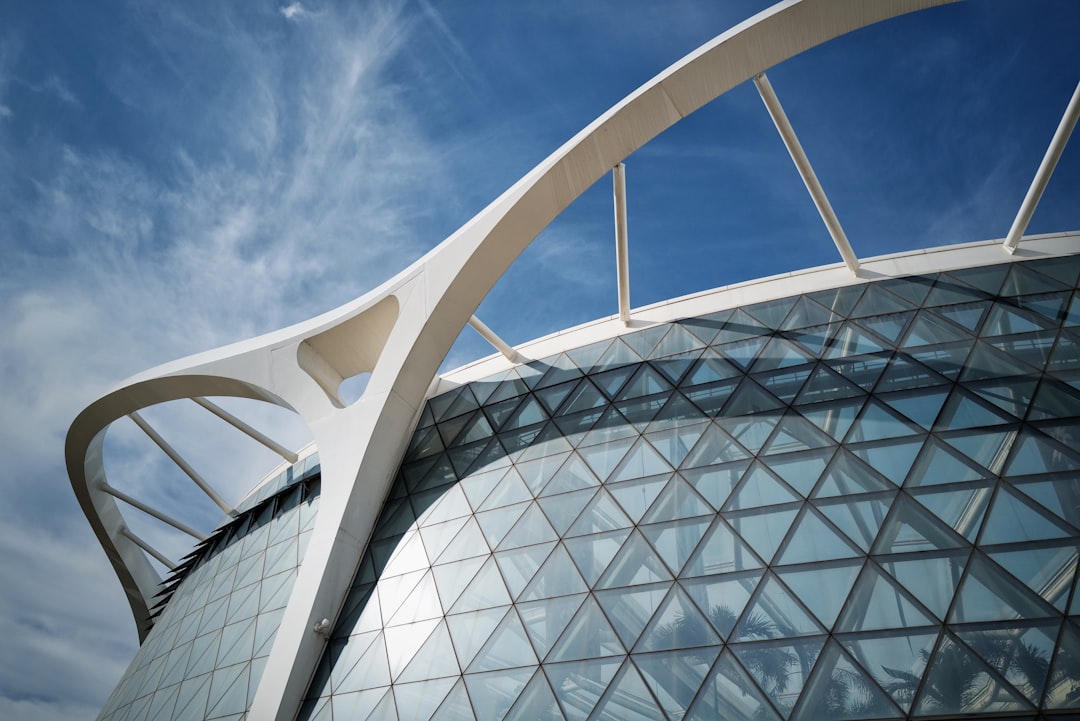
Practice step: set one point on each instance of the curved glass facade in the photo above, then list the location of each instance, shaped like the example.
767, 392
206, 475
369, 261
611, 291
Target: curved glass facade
219, 613
858, 503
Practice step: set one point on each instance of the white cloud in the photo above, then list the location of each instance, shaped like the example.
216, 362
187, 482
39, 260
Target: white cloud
294, 10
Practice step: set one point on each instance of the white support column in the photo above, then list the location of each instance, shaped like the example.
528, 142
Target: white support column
622, 244
179, 461
150, 511
243, 427
802, 163
496, 342
1042, 175
148, 548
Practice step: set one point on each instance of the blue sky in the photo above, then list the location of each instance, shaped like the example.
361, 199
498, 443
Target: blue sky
175, 176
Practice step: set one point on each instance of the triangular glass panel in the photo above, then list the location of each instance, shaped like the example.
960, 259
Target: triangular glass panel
958, 682
637, 495
419, 700
911, 528
402, 643
1065, 677
452, 578
557, 577
878, 301
814, 540
456, 705
537, 472
1047, 571
586, 357
771, 313
966, 315
850, 341
573, 475
643, 341
493, 693
780, 668
602, 514
677, 500
1013, 520
1020, 652
536, 702
561, 510
814, 338
841, 689
519, 565
878, 423
677, 413
636, 563
763, 530
961, 508
834, 418
420, 605
360, 705
738, 327
823, 588
948, 359
962, 286
676, 676
720, 551
532, 527
905, 374
546, 619
578, 685
1037, 454
603, 459
715, 483
891, 325
779, 353
584, 397
913, 289
676, 540
963, 411
935, 578
646, 382
806, 313
714, 447
710, 398
839, 300
759, 488
891, 459
877, 603
847, 475
751, 398
467, 543
718, 701
628, 699
751, 431
617, 354
989, 594
774, 613
1054, 400
508, 647
1059, 495
509, 491
593, 553
631, 608
709, 369
896, 661
858, 517
1062, 269
641, 411
470, 631
785, 384
677, 341
922, 407
493, 525
1050, 305
801, 470
795, 434
929, 329
939, 464
1009, 320
435, 659
1066, 355
675, 443
640, 461
986, 362
553, 396
486, 590
588, 635
706, 327
677, 624
722, 599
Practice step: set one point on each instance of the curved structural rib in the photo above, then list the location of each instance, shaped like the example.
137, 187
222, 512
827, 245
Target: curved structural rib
401, 331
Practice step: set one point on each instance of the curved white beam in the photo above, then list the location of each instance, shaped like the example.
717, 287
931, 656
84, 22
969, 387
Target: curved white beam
401, 331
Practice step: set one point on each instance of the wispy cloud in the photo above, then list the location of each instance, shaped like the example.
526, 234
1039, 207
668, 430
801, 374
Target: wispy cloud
293, 10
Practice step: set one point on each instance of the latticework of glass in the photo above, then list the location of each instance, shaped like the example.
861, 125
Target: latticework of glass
204, 656
857, 503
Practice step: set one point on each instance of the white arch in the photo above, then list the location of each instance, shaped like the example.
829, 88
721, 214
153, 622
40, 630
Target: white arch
300, 367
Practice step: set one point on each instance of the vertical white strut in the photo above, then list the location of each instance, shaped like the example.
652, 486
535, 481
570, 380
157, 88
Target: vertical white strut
802, 163
622, 247
1042, 175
